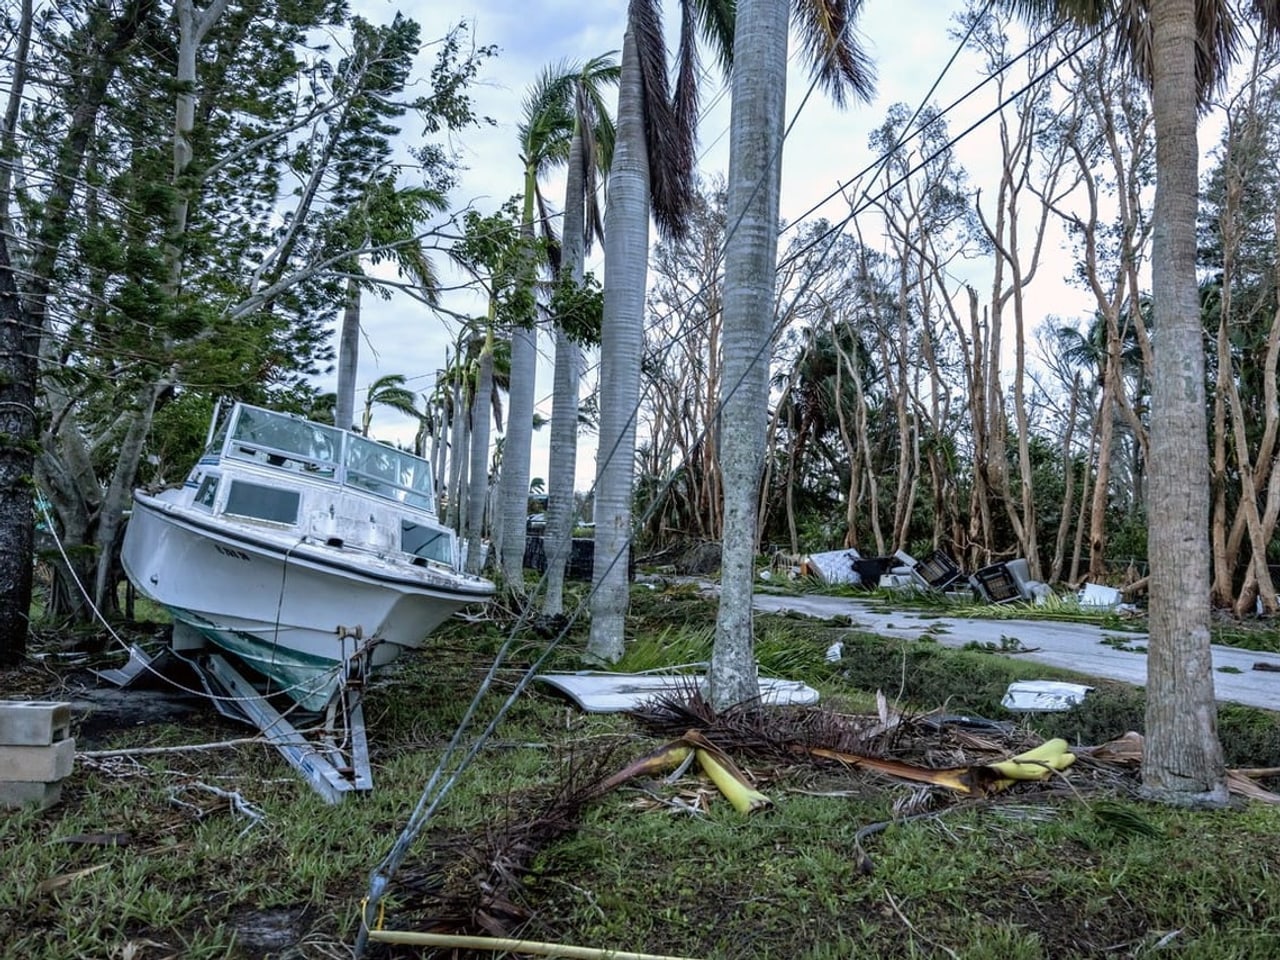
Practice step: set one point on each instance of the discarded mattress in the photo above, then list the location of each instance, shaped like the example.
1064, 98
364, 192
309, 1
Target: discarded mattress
604, 692
834, 566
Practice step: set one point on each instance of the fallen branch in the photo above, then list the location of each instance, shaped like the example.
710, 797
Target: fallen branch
181, 748
238, 803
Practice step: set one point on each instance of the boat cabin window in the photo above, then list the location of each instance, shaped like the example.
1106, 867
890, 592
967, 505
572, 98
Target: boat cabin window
207, 491
388, 472
284, 442
430, 543
262, 503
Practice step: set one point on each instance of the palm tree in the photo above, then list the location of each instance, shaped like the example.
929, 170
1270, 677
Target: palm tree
546, 136
590, 153
652, 170
386, 222
1181, 48
389, 391
751, 249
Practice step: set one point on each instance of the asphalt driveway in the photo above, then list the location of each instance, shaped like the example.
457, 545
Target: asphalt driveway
1084, 648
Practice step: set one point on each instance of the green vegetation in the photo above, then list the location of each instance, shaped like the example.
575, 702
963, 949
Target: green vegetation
142, 859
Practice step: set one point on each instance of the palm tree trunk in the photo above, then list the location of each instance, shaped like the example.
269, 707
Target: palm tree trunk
751, 250
478, 482
562, 458
1183, 760
344, 408
513, 500
626, 265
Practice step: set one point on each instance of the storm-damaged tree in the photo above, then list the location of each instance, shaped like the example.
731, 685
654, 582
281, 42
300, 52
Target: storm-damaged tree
496, 252
186, 280
652, 171
755, 169
96, 39
575, 296
547, 135
1182, 48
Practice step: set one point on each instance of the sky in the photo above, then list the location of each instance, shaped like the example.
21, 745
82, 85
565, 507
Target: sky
909, 41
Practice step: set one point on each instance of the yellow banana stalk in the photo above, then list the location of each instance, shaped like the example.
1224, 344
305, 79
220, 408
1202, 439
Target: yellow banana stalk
1036, 764
731, 781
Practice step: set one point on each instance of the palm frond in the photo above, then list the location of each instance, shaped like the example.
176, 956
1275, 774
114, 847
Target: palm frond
670, 154
1268, 14
836, 57
716, 23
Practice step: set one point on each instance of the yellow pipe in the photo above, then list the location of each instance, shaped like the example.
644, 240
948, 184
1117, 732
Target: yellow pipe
498, 944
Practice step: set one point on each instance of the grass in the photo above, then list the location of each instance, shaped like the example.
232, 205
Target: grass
1077, 867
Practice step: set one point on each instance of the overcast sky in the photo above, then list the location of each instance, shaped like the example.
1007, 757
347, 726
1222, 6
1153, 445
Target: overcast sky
908, 39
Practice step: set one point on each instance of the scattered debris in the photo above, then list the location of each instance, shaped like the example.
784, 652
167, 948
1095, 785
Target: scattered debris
1126, 750
833, 566
1042, 696
1096, 595
601, 691
235, 802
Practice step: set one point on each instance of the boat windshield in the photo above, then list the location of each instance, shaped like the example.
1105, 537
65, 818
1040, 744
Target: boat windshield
300, 446
289, 443
388, 472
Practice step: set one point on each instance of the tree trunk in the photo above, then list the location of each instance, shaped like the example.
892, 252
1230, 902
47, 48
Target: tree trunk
626, 265
1182, 761
478, 481
751, 249
19, 341
344, 408
513, 500
562, 459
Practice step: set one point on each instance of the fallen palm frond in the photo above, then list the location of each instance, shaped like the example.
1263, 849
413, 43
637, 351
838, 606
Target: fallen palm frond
1127, 750
821, 734
973, 780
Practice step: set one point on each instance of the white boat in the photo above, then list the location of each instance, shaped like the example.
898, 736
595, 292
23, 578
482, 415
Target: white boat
301, 549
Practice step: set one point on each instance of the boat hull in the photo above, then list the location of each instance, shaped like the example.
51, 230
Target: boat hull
291, 609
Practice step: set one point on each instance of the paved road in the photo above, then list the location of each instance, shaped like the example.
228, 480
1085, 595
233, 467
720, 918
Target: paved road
1072, 646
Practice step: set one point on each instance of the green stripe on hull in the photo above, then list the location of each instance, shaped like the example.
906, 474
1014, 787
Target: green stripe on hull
305, 678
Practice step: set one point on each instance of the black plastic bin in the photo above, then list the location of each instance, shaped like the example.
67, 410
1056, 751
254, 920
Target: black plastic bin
871, 569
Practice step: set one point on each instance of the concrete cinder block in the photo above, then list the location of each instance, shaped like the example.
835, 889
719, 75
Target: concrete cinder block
17, 794
33, 764
33, 723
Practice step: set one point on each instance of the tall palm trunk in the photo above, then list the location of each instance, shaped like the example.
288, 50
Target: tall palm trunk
1183, 759
562, 461
516, 448
344, 408
626, 256
478, 483
751, 250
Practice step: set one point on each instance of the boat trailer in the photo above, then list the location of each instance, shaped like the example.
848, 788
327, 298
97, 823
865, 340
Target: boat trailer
331, 751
